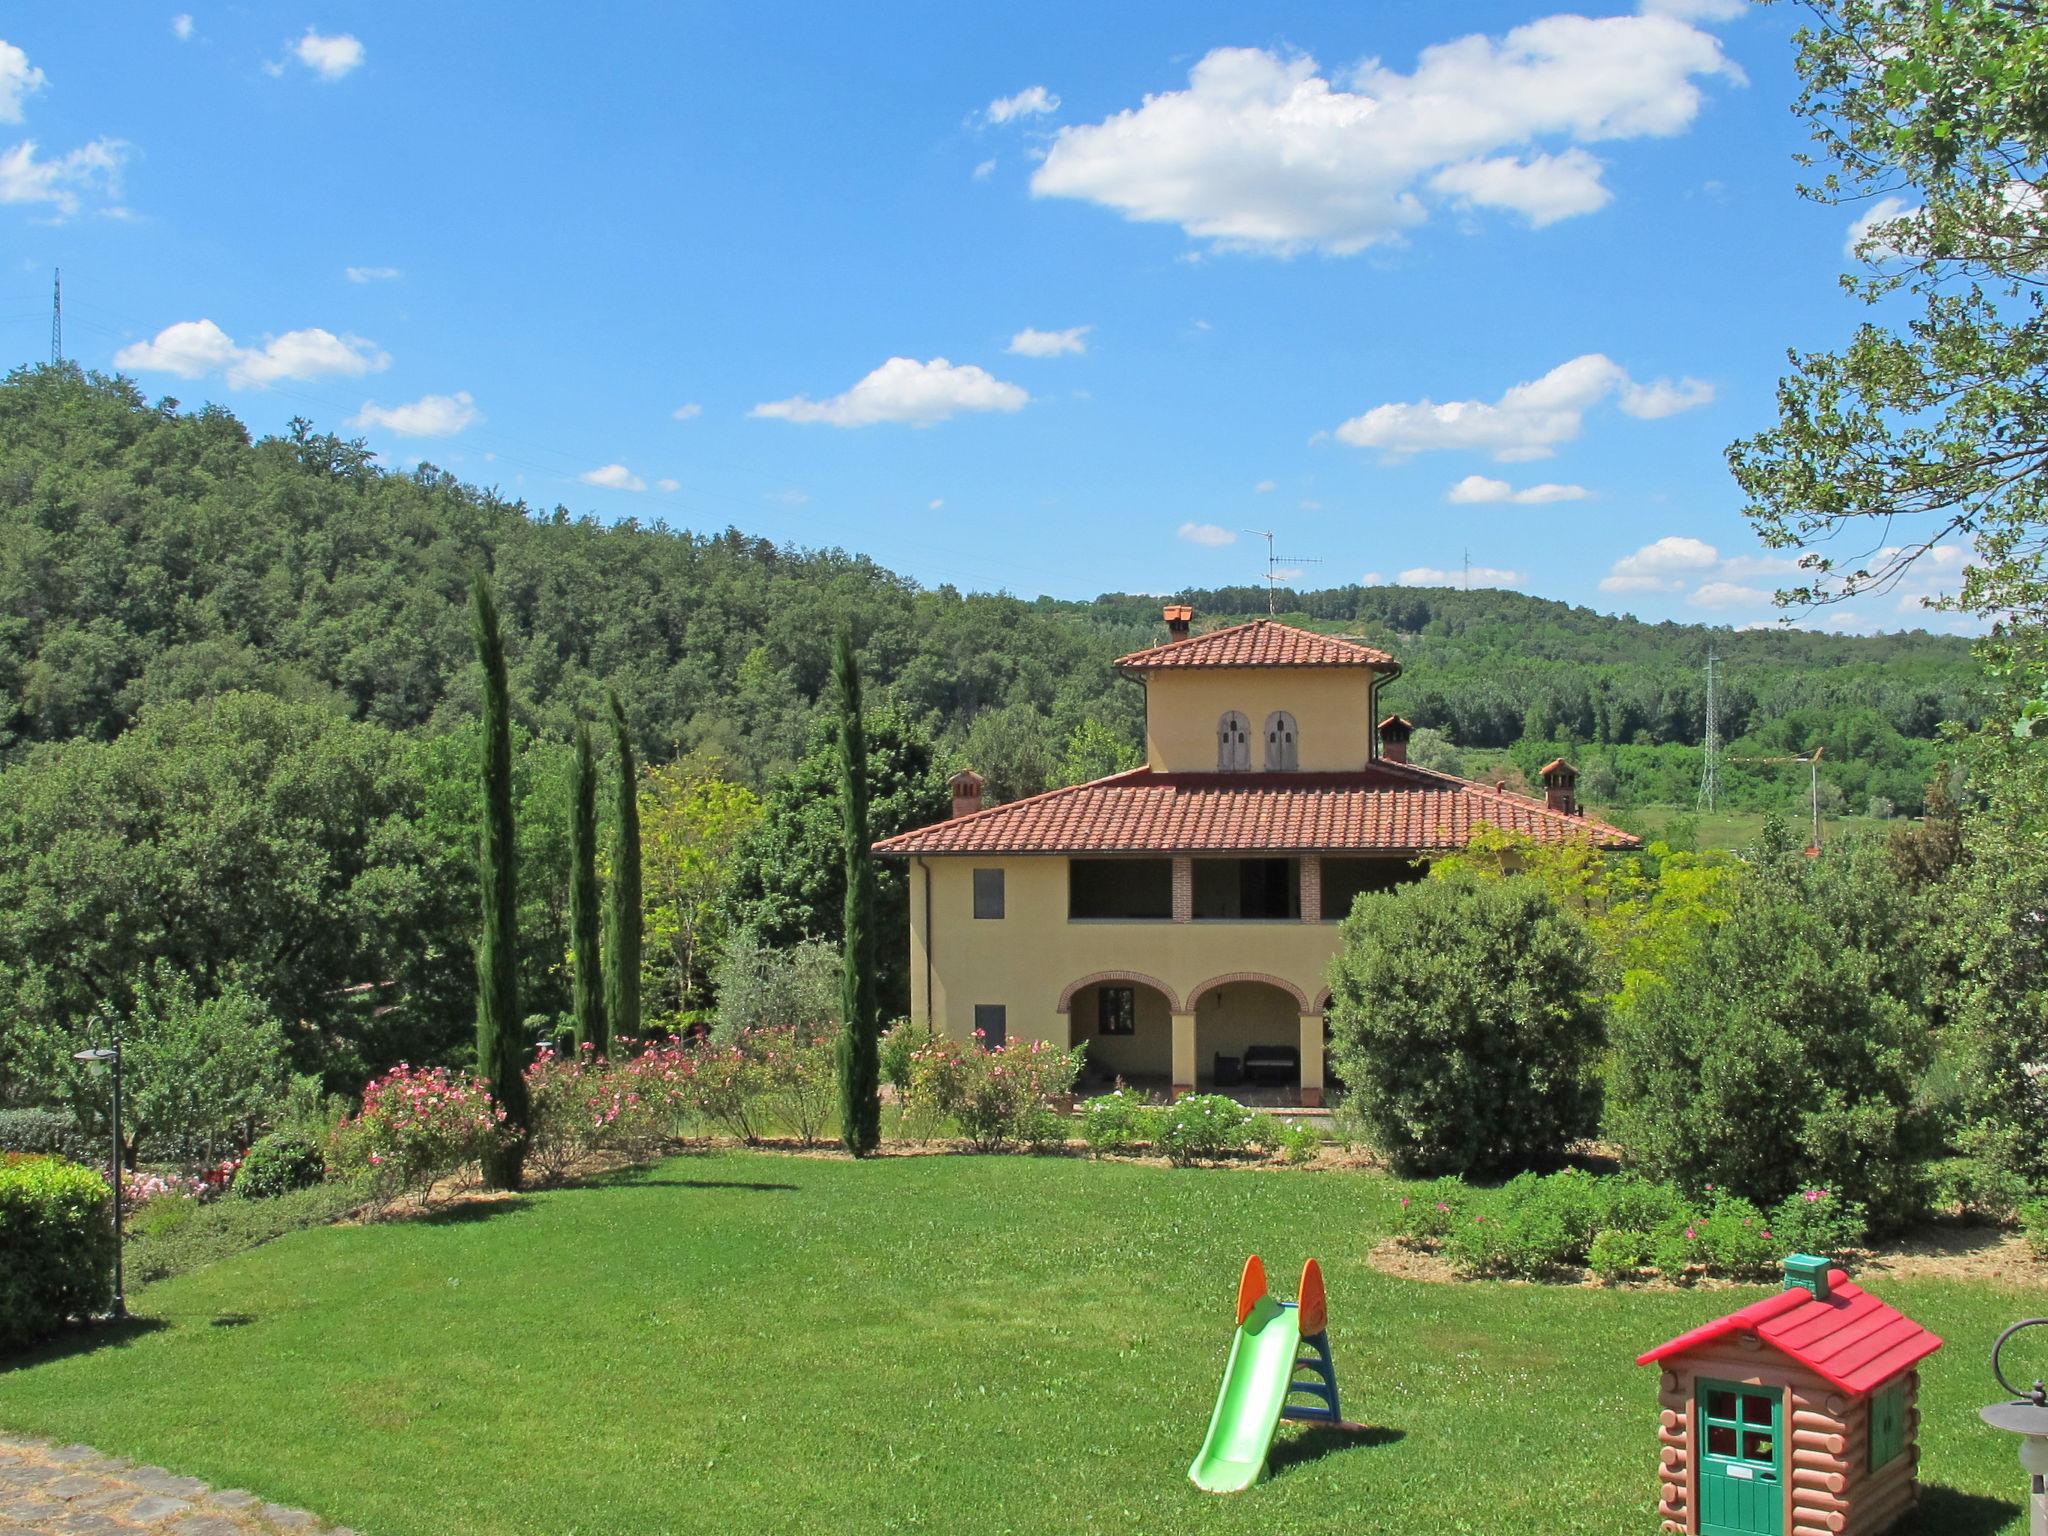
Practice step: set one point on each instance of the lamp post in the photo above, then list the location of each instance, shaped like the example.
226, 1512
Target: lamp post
112, 1059
2026, 1415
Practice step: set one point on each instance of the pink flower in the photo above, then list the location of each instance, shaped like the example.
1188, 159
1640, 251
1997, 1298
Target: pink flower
1689, 1234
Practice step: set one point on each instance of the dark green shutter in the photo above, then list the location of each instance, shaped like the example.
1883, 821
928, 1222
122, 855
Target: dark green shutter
1887, 1424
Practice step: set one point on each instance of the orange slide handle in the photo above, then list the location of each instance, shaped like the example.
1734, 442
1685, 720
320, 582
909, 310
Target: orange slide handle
1250, 1287
1313, 1306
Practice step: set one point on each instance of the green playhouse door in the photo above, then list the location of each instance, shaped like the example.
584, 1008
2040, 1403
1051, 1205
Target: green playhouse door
1741, 1488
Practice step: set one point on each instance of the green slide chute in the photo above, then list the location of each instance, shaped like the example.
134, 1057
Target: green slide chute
1255, 1386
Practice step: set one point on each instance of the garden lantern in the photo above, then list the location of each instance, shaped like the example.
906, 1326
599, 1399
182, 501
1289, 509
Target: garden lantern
2025, 1414
111, 1059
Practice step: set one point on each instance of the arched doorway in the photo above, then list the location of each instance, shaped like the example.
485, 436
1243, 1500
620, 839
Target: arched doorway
1125, 1019
1248, 1034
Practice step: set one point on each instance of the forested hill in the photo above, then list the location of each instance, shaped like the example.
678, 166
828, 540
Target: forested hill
150, 554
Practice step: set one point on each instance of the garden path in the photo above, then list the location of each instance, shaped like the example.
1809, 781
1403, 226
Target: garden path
72, 1490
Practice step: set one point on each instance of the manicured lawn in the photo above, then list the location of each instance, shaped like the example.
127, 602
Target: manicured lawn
740, 1343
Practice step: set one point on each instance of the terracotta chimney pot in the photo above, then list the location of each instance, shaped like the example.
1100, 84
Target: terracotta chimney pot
1180, 619
1561, 787
967, 786
1394, 734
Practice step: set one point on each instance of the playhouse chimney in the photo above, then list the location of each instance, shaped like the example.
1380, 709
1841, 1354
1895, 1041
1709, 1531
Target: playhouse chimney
1179, 618
1561, 786
967, 787
1394, 734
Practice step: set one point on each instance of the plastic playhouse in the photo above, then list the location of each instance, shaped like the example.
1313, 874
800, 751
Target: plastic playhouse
1281, 1351
1793, 1416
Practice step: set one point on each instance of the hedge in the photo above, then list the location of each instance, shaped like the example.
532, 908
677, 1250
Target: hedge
56, 1246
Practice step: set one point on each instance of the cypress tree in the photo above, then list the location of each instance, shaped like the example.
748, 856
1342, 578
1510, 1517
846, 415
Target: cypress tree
622, 913
585, 936
860, 1103
498, 1053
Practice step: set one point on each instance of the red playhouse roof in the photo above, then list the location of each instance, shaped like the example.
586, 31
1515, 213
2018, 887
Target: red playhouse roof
1260, 643
1388, 808
1851, 1338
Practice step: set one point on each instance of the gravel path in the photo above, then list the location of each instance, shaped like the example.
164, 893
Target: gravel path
72, 1490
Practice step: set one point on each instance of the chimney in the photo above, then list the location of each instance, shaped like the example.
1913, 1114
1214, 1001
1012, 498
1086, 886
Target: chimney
1561, 786
1807, 1272
1394, 733
1179, 617
967, 787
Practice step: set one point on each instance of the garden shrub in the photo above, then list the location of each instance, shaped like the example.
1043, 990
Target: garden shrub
1118, 1121
1202, 1127
2033, 1216
160, 1213
802, 1076
1295, 1142
417, 1126
729, 1088
279, 1163
51, 1133
204, 1234
1819, 1222
1785, 1051
1478, 1246
1736, 1241
56, 1246
1463, 1016
893, 1054
1633, 1203
1428, 1212
1618, 1253
995, 1097
1675, 1250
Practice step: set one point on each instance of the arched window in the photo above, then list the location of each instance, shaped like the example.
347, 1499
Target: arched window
1233, 743
1280, 753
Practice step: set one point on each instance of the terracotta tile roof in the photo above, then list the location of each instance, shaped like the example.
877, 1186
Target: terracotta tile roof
1260, 643
1852, 1339
1388, 808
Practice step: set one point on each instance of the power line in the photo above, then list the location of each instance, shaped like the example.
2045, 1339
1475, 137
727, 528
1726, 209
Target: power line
1710, 757
1273, 564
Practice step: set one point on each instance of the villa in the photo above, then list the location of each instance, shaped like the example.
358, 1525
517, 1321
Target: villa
1178, 918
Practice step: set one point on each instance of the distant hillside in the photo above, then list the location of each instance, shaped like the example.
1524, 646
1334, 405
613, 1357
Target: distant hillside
148, 553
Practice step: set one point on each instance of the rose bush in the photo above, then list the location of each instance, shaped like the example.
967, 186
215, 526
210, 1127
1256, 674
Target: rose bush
417, 1126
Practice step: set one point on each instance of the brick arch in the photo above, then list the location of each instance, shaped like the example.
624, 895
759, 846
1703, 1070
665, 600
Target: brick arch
1067, 997
1300, 997
1323, 1001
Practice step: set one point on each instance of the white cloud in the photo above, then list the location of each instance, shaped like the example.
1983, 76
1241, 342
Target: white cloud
793, 496
192, 349
1371, 579
1664, 397
689, 412
328, 57
904, 390
18, 79
1527, 422
1262, 487
428, 416
667, 486
1032, 101
25, 178
1664, 566
1263, 152
1883, 211
1030, 343
983, 171
935, 503
1477, 489
1478, 576
1208, 535
181, 27
613, 477
1728, 594
372, 274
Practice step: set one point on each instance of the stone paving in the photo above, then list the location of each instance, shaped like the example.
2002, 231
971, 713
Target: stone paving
72, 1490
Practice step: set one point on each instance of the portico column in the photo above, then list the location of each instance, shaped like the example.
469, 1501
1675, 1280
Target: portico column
1183, 1054
1311, 1060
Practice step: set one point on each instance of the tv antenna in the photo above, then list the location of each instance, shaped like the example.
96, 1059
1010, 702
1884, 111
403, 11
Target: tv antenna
57, 319
1710, 755
1811, 763
1273, 565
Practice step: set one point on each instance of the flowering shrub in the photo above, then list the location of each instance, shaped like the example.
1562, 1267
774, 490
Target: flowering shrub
1618, 1254
581, 1103
139, 1189
1818, 1221
996, 1097
557, 1116
1427, 1212
801, 1073
1202, 1126
279, 1163
417, 1125
1735, 1239
1118, 1121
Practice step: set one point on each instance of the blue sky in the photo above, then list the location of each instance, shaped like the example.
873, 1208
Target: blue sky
1049, 299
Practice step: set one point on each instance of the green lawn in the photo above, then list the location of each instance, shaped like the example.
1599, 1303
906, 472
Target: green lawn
739, 1343
1742, 829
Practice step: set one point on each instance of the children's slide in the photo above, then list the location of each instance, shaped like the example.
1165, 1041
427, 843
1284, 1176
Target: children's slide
1255, 1386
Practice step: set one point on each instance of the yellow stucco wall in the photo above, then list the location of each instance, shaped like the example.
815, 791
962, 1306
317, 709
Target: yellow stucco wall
1332, 709
1027, 958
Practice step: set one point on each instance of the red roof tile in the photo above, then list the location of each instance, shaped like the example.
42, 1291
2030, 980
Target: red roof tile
1852, 1339
1388, 808
1260, 643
